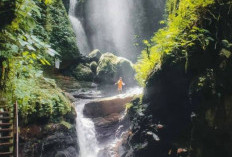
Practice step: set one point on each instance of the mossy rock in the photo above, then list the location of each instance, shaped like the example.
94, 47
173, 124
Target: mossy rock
111, 67
95, 55
83, 72
93, 66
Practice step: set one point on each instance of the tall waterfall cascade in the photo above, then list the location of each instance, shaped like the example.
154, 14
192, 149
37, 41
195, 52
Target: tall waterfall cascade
117, 26
79, 31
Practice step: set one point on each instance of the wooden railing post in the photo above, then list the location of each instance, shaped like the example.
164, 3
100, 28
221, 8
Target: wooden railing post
16, 133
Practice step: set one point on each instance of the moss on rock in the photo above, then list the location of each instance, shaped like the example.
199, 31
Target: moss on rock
83, 72
111, 67
95, 55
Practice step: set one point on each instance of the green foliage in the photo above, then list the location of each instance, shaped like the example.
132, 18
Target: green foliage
37, 96
61, 35
111, 67
24, 47
180, 34
17, 37
83, 72
66, 124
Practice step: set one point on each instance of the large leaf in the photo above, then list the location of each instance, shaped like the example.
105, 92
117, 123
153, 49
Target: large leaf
52, 52
22, 42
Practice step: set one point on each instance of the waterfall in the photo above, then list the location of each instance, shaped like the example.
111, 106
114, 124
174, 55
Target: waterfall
112, 25
87, 135
86, 132
120, 26
79, 31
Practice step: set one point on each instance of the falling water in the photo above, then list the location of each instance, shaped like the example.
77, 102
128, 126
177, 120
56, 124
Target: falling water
78, 29
112, 25
119, 26
86, 132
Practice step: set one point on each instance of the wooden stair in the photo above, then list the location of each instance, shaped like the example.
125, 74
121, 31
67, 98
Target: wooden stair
8, 131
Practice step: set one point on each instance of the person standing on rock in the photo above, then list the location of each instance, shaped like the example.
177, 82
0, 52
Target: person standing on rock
120, 83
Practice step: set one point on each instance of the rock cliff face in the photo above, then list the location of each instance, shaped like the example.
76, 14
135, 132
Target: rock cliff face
50, 140
186, 112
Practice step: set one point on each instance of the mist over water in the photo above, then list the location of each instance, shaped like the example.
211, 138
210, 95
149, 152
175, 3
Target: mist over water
112, 25
119, 26
116, 26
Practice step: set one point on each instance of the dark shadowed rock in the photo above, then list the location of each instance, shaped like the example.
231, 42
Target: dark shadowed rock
69, 152
93, 66
52, 140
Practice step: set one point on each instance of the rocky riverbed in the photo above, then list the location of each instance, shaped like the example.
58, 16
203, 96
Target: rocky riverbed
95, 127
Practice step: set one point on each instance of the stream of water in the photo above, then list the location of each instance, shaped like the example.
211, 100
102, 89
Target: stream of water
117, 14
87, 135
86, 132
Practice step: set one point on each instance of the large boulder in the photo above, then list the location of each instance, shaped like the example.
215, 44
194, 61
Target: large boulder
107, 115
95, 55
111, 67
106, 106
83, 72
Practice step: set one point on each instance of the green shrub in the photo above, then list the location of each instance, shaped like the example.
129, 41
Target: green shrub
180, 34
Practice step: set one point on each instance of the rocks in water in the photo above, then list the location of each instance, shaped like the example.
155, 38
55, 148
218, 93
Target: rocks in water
69, 152
107, 115
87, 94
83, 72
111, 67
106, 106
95, 55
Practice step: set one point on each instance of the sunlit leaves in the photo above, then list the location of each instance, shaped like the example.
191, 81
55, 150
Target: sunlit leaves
47, 1
52, 52
181, 33
36, 95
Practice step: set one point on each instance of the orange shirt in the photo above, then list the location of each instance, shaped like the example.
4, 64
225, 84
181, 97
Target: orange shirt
120, 83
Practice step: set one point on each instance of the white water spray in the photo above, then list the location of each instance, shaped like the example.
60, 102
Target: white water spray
79, 31
86, 132
111, 21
